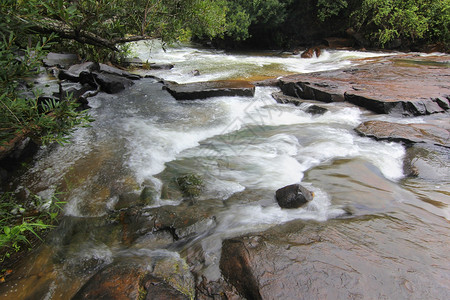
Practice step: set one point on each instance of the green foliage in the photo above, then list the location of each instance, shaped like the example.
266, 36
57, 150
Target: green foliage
386, 20
95, 27
18, 222
243, 13
46, 122
330, 8
191, 185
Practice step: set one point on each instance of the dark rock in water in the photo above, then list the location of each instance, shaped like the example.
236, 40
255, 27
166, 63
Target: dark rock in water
406, 133
154, 66
135, 62
195, 73
127, 281
116, 71
361, 258
60, 60
293, 196
182, 221
112, 84
108, 83
283, 99
148, 196
202, 90
311, 52
316, 110
131, 199
311, 109
73, 73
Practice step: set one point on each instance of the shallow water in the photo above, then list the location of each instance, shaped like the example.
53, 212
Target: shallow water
244, 148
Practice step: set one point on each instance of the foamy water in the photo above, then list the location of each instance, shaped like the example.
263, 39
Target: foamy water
215, 64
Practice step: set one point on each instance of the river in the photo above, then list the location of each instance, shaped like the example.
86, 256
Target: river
243, 148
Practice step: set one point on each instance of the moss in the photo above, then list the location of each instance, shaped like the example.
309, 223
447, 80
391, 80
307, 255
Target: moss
191, 185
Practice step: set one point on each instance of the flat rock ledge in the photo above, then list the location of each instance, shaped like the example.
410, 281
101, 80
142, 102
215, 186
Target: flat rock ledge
203, 90
405, 133
405, 85
333, 260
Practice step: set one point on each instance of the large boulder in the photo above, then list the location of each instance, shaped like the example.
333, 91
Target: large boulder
293, 196
202, 90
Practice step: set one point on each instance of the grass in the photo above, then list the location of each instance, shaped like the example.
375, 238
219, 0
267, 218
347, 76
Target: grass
23, 225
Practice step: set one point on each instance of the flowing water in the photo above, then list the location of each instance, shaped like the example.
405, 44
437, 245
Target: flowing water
244, 149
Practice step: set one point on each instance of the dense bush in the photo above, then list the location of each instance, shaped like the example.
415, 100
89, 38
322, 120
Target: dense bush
284, 23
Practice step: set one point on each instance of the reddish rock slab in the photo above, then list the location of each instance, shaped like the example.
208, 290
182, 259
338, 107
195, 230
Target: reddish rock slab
405, 85
407, 133
360, 258
124, 281
203, 90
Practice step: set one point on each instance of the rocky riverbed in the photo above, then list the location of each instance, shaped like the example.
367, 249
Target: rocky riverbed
130, 232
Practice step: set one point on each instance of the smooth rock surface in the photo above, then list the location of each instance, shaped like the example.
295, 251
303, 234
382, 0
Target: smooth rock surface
202, 90
407, 85
357, 258
407, 133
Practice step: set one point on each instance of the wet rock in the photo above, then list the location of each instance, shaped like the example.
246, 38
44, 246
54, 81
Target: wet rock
127, 281
406, 133
311, 109
195, 73
427, 162
110, 79
148, 196
362, 258
202, 90
266, 82
316, 110
311, 52
118, 72
109, 83
154, 66
293, 196
284, 99
407, 86
128, 200
73, 73
60, 60
159, 290
217, 290
133, 62
182, 221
